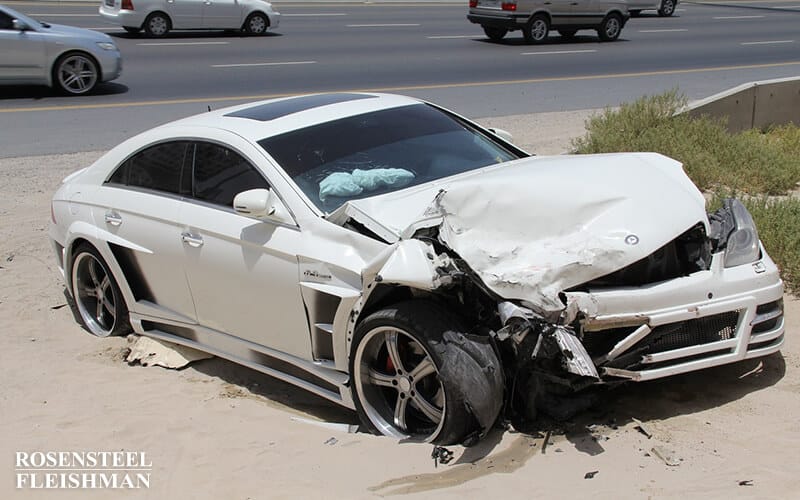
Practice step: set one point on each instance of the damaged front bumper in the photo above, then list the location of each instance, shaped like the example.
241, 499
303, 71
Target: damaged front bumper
709, 318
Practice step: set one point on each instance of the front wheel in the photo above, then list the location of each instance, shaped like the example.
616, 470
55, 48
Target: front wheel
256, 24
75, 73
416, 377
536, 30
495, 33
97, 296
667, 8
610, 28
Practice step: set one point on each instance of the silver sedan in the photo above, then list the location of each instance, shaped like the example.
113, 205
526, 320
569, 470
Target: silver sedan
72, 60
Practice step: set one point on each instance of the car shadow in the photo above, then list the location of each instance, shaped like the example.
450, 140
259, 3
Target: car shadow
191, 35
260, 385
553, 41
685, 394
37, 92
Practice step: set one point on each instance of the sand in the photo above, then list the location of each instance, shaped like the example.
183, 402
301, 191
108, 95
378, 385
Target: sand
217, 430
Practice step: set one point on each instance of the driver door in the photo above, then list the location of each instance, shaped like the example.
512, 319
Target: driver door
22, 53
243, 273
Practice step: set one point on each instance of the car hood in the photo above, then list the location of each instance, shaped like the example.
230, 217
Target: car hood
72, 31
533, 228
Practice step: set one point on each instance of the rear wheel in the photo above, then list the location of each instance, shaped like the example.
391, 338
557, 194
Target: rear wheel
97, 296
157, 24
610, 28
415, 376
75, 73
667, 8
537, 29
495, 33
256, 24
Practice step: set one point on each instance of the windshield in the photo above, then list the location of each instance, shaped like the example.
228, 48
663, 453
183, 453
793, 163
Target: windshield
380, 152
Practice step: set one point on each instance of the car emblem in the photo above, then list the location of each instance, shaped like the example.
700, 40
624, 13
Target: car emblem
632, 239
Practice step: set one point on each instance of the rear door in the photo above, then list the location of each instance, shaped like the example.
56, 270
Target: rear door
588, 12
139, 206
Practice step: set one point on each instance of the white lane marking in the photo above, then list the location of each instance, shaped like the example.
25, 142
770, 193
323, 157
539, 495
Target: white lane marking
380, 25
245, 65
663, 31
330, 14
45, 14
737, 17
557, 52
768, 42
162, 44
447, 37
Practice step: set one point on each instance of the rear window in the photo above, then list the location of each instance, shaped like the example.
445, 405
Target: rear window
380, 152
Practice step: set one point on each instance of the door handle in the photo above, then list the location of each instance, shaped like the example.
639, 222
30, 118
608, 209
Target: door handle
193, 240
113, 218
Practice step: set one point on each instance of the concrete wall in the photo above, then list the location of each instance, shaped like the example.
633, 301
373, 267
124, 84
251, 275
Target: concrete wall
754, 105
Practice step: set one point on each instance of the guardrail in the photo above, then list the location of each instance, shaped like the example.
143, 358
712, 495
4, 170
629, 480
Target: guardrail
754, 104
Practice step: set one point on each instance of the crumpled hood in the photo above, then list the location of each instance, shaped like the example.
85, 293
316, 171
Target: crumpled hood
535, 227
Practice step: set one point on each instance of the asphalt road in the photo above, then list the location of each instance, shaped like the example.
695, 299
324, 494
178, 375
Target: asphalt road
428, 51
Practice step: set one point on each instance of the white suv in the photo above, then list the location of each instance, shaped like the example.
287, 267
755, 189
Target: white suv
535, 18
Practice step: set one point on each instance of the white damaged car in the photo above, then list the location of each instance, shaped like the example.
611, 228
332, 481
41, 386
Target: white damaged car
397, 259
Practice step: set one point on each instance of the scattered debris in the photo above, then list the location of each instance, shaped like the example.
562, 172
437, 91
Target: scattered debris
331, 441
153, 352
333, 426
590, 475
642, 428
546, 440
746, 482
59, 306
442, 455
32, 339
10, 258
666, 456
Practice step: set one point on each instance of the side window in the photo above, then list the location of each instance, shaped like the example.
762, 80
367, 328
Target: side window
6, 21
158, 167
220, 174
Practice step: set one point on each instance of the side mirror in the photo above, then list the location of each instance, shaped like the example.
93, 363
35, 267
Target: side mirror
262, 204
503, 134
19, 25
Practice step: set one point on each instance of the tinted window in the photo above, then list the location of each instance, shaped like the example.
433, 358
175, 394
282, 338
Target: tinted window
158, 167
220, 174
382, 151
6, 21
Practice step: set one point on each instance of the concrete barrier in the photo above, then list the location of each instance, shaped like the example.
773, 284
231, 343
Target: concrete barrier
754, 104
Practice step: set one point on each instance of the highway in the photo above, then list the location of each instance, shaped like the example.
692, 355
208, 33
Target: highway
428, 51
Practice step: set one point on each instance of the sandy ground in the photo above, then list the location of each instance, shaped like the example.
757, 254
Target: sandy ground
216, 430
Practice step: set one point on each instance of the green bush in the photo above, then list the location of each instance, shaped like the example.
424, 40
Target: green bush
758, 164
751, 162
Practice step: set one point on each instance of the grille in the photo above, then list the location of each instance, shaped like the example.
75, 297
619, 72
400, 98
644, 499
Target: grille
693, 332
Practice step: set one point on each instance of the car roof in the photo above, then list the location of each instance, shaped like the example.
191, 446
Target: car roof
263, 119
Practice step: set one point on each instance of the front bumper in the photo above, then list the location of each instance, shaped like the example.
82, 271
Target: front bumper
707, 319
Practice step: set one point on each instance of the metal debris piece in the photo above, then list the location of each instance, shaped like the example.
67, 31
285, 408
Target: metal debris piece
546, 440
57, 307
746, 482
331, 441
442, 455
153, 352
666, 456
642, 428
591, 474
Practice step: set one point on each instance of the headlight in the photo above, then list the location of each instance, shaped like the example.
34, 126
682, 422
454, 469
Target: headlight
106, 45
742, 247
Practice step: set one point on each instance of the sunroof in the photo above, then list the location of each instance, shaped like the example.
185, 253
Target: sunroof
273, 110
